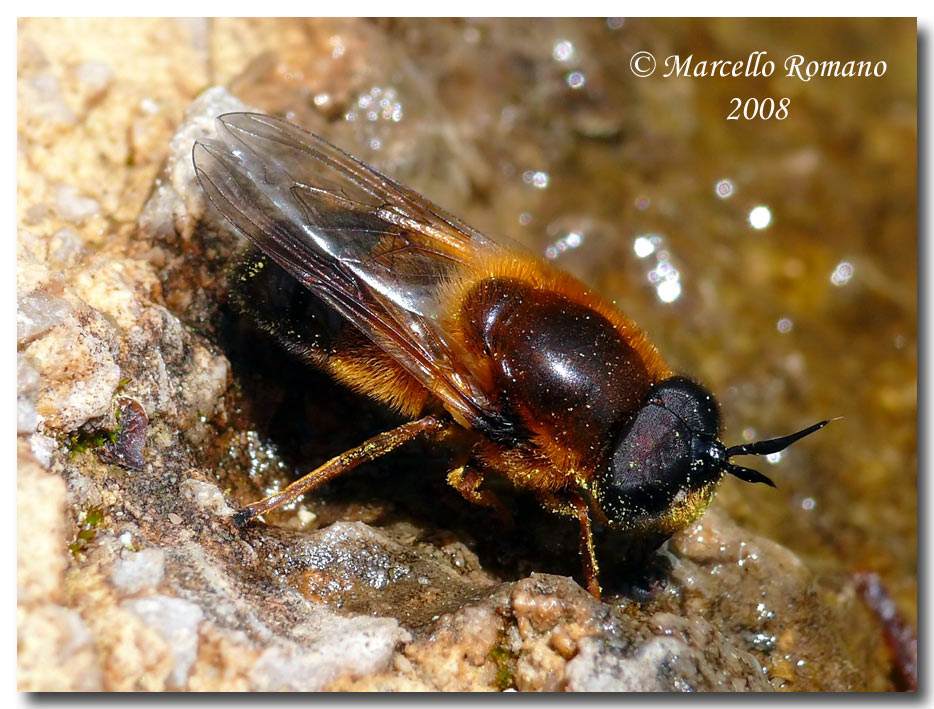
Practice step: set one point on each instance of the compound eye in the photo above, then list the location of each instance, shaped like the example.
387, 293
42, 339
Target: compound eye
651, 463
690, 402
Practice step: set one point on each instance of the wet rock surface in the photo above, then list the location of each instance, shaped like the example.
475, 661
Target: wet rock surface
148, 411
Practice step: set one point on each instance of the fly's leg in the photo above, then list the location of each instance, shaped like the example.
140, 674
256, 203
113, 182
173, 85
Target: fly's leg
588, 555
371, 449
571, 504
466, 479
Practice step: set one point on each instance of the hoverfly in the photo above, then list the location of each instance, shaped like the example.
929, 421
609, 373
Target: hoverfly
560, 392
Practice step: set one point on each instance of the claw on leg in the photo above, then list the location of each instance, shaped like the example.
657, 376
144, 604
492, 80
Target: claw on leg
467, 479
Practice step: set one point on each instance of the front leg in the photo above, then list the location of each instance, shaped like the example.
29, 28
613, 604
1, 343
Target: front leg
570, 504
466, 479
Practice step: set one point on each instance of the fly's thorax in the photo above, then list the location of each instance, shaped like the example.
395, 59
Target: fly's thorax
562, 371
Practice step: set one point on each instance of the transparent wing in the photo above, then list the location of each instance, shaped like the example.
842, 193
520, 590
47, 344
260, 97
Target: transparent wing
391, 238
371, 248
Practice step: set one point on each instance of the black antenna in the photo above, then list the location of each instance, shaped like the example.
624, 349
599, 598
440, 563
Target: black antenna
774, 445
766, 447
748, 474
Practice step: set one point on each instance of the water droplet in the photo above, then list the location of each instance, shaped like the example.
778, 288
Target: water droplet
760, 217
536, 178
842, 273
563, 51
724, 189
570, 241
669, 291
645, 244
